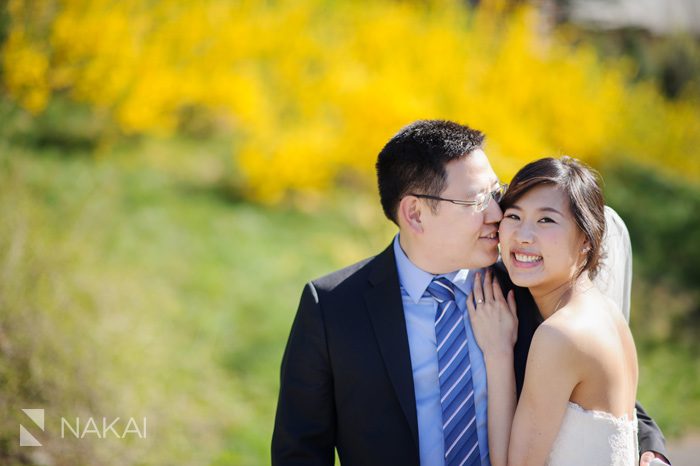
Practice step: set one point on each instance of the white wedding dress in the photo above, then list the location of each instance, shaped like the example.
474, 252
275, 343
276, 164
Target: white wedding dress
595, 438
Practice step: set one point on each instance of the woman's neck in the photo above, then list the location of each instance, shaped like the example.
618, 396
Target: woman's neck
552, 298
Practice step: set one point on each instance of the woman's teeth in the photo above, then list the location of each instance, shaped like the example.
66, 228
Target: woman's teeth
527, 258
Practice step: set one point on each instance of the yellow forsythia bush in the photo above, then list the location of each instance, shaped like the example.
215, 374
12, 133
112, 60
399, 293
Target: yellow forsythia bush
313, 88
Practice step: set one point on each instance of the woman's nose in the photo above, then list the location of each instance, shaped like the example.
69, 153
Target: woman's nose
523, 234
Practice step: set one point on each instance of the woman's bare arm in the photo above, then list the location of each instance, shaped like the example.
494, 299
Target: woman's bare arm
550, 378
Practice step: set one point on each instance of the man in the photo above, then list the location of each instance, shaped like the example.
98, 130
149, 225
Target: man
370, 368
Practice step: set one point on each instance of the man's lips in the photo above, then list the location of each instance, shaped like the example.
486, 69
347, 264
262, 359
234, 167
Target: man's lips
493, 235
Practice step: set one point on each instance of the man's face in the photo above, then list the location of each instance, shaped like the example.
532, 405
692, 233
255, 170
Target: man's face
457, 236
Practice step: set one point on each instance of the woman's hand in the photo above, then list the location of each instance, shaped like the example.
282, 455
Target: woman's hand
493, 318
495, 326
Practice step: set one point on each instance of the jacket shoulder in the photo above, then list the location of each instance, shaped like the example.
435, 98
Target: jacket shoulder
352, 272
360, 274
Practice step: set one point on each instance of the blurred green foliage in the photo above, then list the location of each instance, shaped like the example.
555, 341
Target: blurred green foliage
662, 218
128, 289
661, 215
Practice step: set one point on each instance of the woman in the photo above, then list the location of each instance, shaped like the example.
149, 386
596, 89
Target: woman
578, 400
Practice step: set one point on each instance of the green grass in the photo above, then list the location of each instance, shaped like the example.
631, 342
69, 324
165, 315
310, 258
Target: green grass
669, 386
167, 295
136, 283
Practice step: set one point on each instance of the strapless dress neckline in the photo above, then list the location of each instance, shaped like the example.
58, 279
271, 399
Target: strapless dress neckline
602, 414
595, 438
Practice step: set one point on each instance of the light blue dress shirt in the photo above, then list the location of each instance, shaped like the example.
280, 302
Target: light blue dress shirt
420, 326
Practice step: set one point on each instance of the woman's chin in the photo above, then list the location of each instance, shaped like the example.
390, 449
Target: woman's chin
521, 278
522, 283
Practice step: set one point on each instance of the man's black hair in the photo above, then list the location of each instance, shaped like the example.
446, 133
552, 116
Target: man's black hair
414, 160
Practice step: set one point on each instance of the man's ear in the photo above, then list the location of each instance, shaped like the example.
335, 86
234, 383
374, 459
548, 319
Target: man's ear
409, 213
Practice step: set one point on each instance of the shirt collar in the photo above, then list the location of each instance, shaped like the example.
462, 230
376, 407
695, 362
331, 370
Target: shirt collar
416, 280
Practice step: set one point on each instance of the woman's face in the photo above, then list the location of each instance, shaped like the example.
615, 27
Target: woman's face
541, 245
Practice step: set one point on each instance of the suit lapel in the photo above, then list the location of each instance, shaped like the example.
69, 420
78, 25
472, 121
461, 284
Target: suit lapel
387, 316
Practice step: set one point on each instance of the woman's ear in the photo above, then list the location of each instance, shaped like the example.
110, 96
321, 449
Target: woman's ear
586, 246
410, 210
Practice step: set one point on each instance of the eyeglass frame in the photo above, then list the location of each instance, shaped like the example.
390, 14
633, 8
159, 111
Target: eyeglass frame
497, 194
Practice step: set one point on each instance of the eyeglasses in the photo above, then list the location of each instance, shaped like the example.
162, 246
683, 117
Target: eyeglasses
480, 203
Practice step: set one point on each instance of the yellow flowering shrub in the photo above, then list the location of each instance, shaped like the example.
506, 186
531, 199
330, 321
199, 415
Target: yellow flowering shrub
314, 88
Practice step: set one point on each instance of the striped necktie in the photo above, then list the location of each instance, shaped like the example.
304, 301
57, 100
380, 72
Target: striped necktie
456, 390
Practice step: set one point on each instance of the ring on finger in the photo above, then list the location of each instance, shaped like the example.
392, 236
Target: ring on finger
479, 301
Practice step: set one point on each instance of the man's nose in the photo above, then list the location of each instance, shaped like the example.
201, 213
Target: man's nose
493, 212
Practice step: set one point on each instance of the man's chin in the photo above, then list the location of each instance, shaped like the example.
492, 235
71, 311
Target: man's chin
485, 260
491, 257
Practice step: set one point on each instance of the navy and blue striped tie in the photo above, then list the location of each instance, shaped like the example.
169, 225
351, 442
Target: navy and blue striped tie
456, 389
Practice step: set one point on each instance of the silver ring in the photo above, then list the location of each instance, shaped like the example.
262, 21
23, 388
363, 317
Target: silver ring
479, 301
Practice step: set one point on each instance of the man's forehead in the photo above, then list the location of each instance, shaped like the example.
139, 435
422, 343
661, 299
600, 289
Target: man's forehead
482, 186
471, 174
473, 183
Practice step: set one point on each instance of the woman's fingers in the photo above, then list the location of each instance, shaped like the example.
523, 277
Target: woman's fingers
489, 313
478, 291
470, 306
497, 292
488, 287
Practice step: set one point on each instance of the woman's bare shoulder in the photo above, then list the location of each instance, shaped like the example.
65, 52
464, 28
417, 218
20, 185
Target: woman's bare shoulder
554, 338
569, 333
591, 327
553, 360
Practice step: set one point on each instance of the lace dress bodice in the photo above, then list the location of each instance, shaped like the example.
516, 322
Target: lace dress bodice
594, 438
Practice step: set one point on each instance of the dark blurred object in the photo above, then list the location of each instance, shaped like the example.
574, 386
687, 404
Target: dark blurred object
679, 66
4, 30
64, 124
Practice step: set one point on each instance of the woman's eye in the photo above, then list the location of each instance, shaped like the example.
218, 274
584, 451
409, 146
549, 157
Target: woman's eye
511, 216
546, 220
